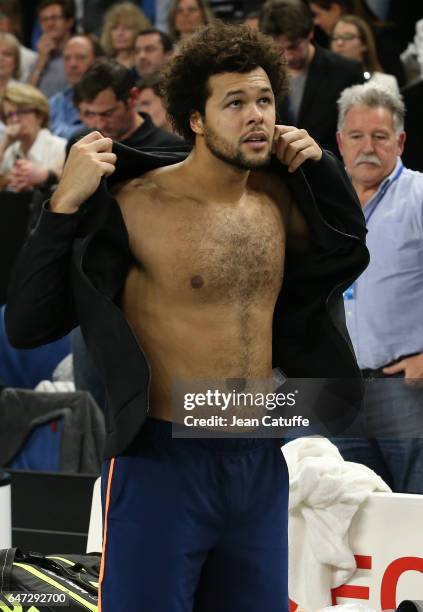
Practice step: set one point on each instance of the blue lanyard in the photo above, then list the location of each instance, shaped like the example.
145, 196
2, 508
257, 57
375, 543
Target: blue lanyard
369, 212
351, 292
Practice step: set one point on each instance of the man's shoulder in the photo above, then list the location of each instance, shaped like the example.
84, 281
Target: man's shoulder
147, 135
140, 191
414, 178
56, 98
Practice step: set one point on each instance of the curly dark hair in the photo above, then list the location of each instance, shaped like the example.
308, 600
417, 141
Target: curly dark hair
214, 49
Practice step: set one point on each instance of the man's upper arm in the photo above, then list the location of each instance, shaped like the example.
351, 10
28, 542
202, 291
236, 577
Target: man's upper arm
40, 304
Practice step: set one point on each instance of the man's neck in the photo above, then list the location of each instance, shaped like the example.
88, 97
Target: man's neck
310, 54
61, 43
220, 181
135, 124
365, 192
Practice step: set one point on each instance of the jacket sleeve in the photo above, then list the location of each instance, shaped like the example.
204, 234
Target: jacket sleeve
39, 303
335, 196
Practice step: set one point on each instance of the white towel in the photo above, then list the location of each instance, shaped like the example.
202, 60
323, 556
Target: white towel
324, 494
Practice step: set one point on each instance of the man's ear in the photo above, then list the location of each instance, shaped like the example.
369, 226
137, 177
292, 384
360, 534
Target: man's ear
339, 141
196, 123
401, 142
133, 96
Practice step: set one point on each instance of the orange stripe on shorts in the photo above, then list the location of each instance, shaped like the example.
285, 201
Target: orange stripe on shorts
106, 516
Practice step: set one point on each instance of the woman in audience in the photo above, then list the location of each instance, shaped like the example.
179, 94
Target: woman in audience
121, 25
353, 38
185, 16
10, 21
10, 60
30, 155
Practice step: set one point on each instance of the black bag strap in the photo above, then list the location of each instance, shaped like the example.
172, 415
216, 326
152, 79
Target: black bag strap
78, 572
73, 572
410, 606
7, 556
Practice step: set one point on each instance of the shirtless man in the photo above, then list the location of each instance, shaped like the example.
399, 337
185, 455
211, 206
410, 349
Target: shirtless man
192, 524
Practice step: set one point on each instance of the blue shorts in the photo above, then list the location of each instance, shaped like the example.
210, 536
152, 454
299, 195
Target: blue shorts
195, 525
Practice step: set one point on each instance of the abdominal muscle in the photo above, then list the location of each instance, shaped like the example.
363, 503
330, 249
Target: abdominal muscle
186, 338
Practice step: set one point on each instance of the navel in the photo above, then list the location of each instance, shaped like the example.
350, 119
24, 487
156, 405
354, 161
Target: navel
197, 282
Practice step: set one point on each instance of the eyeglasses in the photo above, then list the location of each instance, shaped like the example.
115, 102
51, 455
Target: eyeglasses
344, 37
51, 18
19, 112
190, 10
104, 115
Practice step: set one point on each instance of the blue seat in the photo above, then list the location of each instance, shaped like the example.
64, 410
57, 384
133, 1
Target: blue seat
25, 368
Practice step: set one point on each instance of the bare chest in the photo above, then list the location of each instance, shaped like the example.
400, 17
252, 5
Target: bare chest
216, 252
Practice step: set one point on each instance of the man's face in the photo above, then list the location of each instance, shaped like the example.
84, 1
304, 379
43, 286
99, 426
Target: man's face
296, 52
369, 144
78, 56
326, 18
53, 22
149, 103
6, 24
149, 54
110, 116
239, 118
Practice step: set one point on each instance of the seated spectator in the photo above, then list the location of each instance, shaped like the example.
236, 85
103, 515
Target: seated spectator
56, 19
317, 76
30, 154
150, 100
79, 53
107, 97
326, 13
121, 25
9, 60
353, 38
185, 16
152, 50
9, 65
10, 22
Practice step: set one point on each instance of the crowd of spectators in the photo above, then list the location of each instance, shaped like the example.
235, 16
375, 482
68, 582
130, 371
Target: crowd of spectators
81, 65
68, 36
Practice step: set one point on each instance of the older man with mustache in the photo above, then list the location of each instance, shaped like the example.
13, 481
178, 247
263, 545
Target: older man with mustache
384, 307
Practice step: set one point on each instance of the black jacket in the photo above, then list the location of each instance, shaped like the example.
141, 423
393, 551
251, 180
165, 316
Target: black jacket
328, 75
73, 267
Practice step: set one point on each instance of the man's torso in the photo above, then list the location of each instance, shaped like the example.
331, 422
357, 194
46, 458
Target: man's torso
201, 295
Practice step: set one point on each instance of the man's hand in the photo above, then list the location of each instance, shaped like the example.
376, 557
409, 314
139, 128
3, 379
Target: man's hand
412, 368
89, 160
45, 47
293, 146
